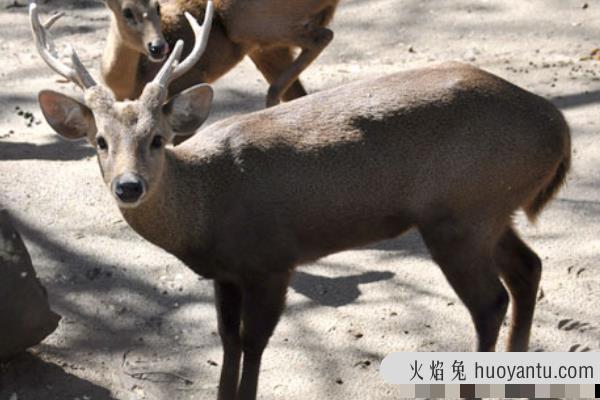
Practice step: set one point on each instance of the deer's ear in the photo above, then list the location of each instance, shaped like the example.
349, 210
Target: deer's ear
186, 111
69, 118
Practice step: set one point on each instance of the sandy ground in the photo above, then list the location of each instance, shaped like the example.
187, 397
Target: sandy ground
137, 324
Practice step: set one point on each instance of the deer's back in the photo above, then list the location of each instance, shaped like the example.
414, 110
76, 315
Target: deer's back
409, 123
274, 22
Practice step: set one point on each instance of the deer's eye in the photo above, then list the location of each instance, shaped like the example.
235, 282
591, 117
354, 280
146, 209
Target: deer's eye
101, 142
128, 14
157, 142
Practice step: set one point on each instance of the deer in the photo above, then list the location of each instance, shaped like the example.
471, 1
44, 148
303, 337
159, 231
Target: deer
450, 150
268, 31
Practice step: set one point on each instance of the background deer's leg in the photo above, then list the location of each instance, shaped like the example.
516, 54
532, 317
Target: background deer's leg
228, 299
521, 270
272, 62
312, 45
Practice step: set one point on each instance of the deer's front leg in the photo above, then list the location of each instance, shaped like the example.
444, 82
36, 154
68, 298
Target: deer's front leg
228, 299
263, 302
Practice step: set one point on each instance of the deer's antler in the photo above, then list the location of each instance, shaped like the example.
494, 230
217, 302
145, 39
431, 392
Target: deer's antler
45, 46
169, 71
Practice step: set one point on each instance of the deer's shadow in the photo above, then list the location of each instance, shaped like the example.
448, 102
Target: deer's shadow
335, 292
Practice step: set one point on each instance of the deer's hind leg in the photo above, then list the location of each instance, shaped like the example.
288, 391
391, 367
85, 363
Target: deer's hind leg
521, 270
312, 39
272, 62
464, 251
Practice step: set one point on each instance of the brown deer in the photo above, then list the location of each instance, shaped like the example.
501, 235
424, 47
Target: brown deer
450, 150
266, 30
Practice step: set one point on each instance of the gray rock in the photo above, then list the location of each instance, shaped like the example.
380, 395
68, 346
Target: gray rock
25, 315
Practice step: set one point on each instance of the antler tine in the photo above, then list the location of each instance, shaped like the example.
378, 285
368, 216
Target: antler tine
164, 75
44, 45
80, 70
169, 71
48, 24
201, 39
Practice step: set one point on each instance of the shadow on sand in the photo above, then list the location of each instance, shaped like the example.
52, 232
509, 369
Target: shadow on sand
30, 378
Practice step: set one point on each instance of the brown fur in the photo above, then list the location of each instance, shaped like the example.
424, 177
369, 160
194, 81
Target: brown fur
450, 150
238, 29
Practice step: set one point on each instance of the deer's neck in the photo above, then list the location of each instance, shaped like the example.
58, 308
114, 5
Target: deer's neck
177, 198
121, 66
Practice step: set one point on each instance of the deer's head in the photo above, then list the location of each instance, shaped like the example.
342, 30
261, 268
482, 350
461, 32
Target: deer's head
129, 136
139, 26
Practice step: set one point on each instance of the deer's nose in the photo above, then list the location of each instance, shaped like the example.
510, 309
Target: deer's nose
158, 49
128, 188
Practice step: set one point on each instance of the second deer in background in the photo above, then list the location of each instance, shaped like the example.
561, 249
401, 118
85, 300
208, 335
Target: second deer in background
268, 31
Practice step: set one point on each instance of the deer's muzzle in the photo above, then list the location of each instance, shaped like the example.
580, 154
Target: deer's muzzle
128, 188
